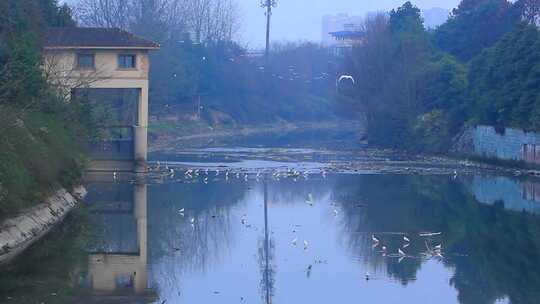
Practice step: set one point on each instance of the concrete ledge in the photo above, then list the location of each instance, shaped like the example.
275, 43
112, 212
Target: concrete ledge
21, 231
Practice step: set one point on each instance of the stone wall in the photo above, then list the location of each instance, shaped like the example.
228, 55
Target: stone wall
487, 142
21, 231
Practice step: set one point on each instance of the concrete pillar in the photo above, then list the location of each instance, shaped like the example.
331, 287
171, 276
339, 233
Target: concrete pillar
140, 142
140, 132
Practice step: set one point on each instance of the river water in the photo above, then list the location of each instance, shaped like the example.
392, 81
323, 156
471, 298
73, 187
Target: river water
255, 236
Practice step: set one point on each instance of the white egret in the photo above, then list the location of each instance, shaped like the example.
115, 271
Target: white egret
348, 77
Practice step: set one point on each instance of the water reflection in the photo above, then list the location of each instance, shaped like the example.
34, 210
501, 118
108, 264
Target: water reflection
217, 249
118, 258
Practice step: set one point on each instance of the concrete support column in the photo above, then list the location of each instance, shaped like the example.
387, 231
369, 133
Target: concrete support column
140, 132
140, 137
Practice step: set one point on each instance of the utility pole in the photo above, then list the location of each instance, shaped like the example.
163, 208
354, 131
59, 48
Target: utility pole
268, 4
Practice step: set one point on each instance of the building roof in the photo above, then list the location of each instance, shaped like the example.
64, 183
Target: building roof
355, 35
94, 38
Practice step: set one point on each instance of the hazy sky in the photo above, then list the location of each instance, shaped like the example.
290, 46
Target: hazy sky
301, 19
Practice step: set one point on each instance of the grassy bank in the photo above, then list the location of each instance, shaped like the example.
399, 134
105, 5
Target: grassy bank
38, 155
40, 131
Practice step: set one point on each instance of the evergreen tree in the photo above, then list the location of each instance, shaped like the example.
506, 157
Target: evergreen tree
475, 25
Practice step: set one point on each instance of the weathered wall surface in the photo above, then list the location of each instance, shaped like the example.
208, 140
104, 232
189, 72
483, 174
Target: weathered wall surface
19, 232
512, 144
515, 194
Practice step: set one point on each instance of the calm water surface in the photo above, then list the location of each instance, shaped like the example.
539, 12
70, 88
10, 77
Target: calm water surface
317, 245
208, 239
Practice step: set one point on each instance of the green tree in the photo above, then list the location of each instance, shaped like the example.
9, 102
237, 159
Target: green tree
475, 25
504, 81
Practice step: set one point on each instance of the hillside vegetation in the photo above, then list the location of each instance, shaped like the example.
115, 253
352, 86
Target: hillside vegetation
420, 88
40, 132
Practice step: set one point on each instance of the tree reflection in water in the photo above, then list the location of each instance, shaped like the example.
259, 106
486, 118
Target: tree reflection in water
494, 252
491, 253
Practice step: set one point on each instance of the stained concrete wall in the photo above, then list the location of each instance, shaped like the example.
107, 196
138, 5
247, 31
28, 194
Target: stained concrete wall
19, 232
485, 141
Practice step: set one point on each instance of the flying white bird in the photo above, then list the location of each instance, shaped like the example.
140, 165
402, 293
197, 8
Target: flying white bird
305, 244
335, 212
192, 220
400, 252
348, 77
406, 239
374, 239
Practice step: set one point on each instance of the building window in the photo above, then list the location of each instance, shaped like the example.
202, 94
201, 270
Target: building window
127, 61
85, 61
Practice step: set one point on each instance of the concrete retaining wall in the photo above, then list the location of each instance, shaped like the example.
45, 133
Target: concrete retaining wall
19, 232
485, 141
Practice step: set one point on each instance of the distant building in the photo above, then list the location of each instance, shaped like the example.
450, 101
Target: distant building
346, 39
336, 23
109, 68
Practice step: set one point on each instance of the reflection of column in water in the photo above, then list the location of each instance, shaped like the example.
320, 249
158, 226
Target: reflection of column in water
266, 254
141, 208
266, 242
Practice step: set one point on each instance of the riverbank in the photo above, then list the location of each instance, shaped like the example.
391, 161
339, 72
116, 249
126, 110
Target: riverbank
172, 138
21, 231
